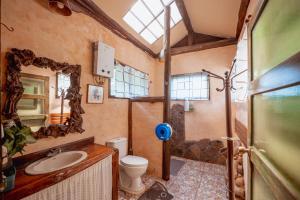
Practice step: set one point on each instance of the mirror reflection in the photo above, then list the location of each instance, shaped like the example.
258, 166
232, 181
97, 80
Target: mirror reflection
43, 101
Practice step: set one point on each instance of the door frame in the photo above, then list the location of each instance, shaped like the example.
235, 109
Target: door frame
284, 75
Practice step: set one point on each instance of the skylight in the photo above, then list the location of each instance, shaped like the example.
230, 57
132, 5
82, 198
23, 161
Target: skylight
146, 17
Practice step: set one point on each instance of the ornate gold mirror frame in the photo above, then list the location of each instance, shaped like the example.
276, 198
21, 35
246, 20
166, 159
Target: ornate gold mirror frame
14, 91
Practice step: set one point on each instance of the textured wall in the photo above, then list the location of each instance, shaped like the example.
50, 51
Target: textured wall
207, 120
54, 103
68, 39
206, 150
145, 143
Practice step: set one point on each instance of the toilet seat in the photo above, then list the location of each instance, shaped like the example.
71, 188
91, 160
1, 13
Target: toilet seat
133, 161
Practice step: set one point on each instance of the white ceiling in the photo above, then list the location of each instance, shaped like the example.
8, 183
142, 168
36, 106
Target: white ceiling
214, 17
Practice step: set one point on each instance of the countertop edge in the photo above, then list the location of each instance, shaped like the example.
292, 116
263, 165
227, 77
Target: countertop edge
95, 152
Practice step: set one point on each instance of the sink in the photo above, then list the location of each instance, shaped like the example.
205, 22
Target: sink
57, 162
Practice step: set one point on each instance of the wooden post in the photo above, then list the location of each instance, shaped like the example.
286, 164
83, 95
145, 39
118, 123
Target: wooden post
130, 150
227, 87
167, 90
190, 38
229, 136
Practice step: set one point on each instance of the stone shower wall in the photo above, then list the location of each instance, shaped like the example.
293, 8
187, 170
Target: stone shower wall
206, 150
238, 172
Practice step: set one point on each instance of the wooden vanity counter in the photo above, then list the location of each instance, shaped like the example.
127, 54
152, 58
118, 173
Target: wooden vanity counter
26, 185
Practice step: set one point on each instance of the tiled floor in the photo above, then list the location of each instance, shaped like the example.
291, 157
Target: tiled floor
195, 181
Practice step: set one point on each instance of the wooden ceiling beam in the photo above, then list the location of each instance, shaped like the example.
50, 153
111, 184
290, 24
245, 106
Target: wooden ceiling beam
197, 39
242, 14
203, 46
88, 7
185, 16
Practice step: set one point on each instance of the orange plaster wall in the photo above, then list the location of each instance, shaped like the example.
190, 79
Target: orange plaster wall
54, 103
145, 143
68, 39
208, 118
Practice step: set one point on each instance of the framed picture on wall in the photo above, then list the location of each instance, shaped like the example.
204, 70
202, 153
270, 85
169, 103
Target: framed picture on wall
95, 94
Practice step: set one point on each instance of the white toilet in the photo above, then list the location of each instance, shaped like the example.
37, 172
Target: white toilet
131, 167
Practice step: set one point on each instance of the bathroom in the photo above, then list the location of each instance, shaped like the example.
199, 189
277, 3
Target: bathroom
108, 129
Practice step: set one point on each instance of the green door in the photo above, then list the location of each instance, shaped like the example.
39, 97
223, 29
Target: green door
274, 121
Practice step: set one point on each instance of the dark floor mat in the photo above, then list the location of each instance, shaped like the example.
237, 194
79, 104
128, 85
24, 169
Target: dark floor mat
176, 165
158, 192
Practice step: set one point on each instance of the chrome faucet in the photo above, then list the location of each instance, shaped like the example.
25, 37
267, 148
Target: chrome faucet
54, 152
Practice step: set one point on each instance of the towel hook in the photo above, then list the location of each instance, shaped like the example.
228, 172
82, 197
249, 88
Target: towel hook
11, 29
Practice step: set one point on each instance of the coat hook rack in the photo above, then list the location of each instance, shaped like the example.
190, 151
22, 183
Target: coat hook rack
11, 29
227, 86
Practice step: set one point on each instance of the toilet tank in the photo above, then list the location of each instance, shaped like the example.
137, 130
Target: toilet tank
121, 144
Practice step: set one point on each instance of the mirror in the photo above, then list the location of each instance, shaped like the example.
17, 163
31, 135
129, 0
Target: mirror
43, 101
43, 94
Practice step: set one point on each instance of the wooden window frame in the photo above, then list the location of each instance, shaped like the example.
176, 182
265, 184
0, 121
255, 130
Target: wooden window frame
44, 97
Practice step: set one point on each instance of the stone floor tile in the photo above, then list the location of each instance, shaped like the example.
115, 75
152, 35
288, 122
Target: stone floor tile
194, 181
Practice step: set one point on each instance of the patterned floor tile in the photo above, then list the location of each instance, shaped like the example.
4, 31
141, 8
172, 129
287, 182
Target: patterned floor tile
194, 181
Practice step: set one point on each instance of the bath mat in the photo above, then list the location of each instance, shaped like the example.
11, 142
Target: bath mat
176, 165
158, 192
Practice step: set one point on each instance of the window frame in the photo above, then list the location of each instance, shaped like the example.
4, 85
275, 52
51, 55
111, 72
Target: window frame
109, 82
155, 18
44, 97
189, 74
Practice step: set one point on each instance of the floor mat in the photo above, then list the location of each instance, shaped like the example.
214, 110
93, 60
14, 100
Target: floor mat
158, 192
176, 165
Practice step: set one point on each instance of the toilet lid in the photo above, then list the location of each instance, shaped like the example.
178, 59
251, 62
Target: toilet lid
134, 161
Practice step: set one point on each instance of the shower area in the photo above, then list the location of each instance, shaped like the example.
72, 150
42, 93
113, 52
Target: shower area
202, 180
197, 162
193, 147
197, 116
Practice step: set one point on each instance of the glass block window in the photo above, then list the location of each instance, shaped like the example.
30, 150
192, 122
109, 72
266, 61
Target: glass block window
190, 86
146, 17
128, 82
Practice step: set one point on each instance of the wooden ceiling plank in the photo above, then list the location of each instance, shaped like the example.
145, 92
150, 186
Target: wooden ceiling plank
242, 14
185, 16
88, 7
203, 46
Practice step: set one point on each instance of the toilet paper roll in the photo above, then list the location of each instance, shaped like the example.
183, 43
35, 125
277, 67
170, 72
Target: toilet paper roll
163, 131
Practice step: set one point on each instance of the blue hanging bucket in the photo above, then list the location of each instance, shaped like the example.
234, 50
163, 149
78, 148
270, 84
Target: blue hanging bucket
163, 131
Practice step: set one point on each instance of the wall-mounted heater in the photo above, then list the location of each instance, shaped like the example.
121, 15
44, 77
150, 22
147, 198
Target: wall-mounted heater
104, 56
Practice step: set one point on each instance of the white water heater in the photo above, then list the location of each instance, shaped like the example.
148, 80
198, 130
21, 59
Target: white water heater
104, 59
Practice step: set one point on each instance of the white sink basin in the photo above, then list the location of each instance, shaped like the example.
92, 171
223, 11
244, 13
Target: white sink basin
57, 162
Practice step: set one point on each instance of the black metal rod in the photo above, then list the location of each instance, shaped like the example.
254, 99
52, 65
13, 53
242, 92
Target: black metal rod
231, 68
238, 74
11, 29
216, 75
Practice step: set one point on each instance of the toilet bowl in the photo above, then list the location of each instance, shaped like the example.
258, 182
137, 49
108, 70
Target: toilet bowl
131, 170
131, 167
